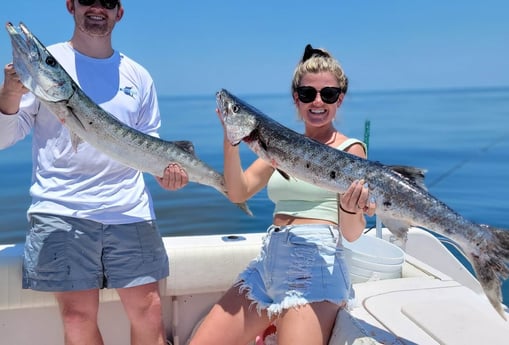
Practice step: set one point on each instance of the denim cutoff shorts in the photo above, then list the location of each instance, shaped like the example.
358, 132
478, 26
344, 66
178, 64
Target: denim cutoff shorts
297, 265
68, 254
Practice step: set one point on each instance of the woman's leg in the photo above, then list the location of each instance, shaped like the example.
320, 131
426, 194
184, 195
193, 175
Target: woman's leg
310, 324
233, 320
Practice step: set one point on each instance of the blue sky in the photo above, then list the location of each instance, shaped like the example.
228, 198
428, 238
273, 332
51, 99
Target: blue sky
196, 48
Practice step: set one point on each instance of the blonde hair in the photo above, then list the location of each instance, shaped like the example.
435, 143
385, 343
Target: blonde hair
317, 61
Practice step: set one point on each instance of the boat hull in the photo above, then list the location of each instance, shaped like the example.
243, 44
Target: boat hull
435, 301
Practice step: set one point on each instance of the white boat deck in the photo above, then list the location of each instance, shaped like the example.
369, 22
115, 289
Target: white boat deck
420, 309
425, 306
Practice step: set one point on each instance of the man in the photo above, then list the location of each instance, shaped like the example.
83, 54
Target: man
91, 218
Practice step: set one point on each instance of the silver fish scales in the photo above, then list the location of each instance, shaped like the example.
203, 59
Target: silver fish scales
41, 73
401, 198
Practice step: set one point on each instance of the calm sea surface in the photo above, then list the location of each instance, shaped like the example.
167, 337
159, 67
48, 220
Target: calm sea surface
460, 136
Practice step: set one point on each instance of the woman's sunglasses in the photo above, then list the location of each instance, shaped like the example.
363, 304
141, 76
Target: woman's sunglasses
108, 4
329, 94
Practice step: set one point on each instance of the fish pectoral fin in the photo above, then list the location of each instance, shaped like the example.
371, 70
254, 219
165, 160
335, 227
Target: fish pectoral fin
75, 141
398, 228
185, 145
416, 175
285, 175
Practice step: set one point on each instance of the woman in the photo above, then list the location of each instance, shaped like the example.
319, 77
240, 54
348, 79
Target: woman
299, 279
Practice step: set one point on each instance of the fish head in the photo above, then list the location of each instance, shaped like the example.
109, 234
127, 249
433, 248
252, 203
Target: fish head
37, 69
238, 118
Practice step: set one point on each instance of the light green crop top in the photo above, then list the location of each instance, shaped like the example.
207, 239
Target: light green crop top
304, 200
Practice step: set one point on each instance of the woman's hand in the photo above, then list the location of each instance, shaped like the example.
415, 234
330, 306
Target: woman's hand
175, 177
356, 199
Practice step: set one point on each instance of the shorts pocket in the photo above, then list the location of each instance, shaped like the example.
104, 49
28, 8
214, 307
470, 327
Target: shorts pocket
152, 247
46, 250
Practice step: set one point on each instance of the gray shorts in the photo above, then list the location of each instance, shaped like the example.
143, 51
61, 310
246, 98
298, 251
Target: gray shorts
297, 265
67, 254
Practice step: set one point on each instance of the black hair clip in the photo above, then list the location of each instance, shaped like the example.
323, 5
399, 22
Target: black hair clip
309, 51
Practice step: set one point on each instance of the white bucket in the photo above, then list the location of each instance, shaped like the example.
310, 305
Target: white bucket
371, 258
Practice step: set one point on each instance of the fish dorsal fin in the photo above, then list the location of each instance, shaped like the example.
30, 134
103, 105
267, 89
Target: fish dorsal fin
185, 145
416, 175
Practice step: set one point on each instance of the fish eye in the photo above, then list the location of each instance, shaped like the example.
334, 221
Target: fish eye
50, 60
235, 108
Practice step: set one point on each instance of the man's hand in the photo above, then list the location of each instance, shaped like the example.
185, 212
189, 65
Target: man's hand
175, 177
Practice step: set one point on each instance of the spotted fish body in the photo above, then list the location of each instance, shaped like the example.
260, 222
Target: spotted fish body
41, 73
401, 199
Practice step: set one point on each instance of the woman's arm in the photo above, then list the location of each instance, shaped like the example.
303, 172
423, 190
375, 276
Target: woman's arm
354, 203
242, 185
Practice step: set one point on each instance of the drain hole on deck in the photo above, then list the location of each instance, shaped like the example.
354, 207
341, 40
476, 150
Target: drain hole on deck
231, 238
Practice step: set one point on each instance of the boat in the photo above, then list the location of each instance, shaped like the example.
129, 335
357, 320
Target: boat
430, 297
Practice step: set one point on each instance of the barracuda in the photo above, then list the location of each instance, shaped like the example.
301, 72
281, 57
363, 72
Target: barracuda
41, 73
401, 198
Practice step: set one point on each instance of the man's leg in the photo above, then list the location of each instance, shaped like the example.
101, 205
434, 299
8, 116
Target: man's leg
78, 310
143, 307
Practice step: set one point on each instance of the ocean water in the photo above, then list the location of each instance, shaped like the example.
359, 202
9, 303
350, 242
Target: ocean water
461, 137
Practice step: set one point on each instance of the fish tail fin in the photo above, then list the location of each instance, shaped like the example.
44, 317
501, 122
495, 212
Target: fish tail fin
244, 207
219, 185
491, 265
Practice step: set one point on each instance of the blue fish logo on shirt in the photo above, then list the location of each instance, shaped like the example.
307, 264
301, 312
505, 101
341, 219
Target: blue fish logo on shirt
128, 90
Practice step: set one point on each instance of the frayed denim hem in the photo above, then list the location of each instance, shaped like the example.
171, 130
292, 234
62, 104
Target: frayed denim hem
243, 287
292, 300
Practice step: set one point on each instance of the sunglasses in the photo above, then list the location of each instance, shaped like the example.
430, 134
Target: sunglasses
328, 94
108, 4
